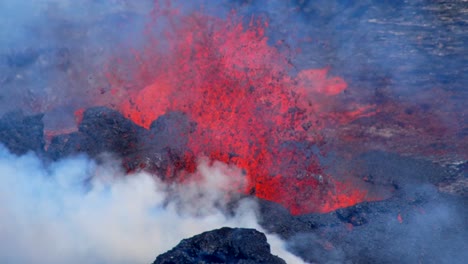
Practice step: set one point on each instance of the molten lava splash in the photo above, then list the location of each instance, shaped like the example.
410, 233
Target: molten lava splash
249, 109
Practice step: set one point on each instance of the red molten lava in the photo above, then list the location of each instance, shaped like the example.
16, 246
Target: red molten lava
249, 109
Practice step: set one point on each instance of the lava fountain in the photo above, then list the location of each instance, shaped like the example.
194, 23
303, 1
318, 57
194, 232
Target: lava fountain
249, 107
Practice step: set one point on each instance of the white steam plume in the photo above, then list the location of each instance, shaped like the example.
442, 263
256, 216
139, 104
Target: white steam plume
78, 211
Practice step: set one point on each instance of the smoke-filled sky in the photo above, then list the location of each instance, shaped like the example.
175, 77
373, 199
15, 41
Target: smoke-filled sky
53, 52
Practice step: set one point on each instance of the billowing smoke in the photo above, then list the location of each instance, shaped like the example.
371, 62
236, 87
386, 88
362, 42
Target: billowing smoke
79, 211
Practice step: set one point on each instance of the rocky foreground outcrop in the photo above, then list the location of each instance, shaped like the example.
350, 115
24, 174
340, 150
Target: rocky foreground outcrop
224, 245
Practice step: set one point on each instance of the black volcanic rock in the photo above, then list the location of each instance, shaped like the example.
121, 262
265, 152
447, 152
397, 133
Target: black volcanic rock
170, 131
225, 245
108, 130
20, 133
163, 146
158, 149
101, 130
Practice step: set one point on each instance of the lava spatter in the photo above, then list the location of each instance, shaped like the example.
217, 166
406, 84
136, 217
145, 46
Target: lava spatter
249, 109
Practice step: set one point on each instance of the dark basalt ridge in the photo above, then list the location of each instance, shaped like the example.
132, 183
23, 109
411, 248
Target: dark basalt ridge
21, 133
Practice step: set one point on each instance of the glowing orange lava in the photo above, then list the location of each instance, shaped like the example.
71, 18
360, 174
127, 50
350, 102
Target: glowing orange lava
249, 109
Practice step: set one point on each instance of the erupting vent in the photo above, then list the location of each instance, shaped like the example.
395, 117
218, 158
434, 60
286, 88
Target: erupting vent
249, 109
